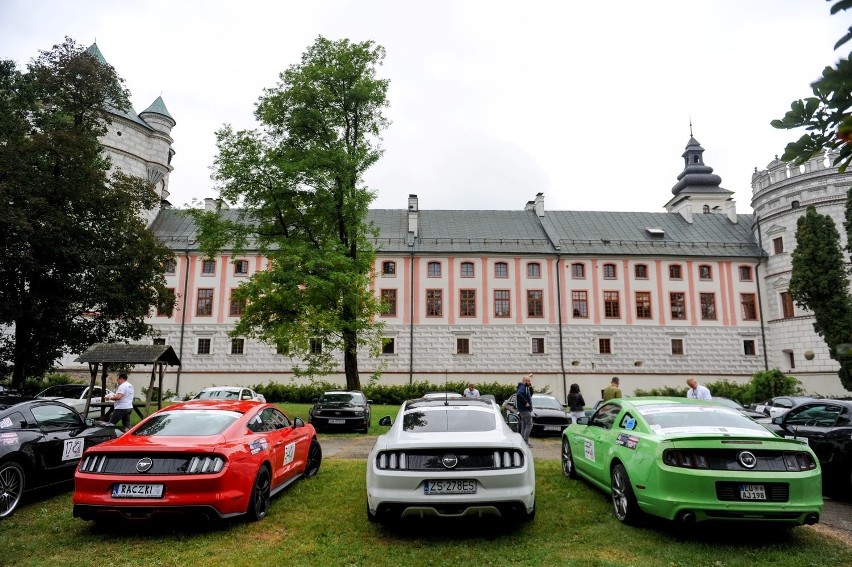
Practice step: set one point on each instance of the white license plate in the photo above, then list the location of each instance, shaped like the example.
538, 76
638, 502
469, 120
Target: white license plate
752, 492
137, 491
552, 428
337, 421
449, 487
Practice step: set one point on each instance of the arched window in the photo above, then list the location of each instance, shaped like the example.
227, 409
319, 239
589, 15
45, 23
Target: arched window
578, 271
466, 269
609, 271
794, 205
533, 270
433, 269
501, 270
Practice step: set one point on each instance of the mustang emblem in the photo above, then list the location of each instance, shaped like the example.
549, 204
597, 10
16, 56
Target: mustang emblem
747, 459
144, 464
449, 460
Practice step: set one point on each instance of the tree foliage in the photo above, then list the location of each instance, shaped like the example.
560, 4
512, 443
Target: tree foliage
819, 282
77, 263
298, 183
826, 115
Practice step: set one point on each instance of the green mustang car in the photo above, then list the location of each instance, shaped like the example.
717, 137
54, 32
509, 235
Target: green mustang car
692, 461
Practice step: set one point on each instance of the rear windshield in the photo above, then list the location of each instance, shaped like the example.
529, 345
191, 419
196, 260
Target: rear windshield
191, 423
699, 419
461, 420
218, 395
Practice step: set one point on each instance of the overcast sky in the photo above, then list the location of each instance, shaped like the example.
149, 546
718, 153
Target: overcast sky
491, 101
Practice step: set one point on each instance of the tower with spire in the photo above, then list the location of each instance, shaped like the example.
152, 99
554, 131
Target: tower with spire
141, 144
698, 190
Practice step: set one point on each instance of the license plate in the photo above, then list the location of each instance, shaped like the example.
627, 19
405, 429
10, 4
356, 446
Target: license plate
752, 492
449, 487
137, 491
552, 428
337, 421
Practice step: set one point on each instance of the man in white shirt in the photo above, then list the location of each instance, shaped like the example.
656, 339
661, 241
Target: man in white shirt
123, 398
471, 392
697, 391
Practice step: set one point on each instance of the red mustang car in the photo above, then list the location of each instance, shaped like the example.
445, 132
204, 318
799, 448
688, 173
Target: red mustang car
215, 458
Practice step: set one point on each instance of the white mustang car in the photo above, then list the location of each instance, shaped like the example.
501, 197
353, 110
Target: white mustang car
451, 457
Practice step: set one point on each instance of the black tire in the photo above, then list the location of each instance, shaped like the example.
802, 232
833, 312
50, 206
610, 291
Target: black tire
314, 461
568, 468
624, 503
260, 495
12, 484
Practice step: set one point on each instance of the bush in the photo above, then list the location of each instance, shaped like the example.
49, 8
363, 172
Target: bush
762, 386
380, 393
669, 391
33, 386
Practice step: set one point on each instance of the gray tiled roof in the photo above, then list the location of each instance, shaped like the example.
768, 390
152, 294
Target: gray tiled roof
522, 232
129, 114
120, 353
158, 107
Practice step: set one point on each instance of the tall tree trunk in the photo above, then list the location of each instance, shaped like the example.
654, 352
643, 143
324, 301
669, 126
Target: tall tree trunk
350, 360
19, 374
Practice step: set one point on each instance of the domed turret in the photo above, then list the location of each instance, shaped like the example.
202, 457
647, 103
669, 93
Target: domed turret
696, 177
158, 117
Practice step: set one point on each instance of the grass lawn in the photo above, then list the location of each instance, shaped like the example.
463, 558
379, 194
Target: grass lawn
322, 521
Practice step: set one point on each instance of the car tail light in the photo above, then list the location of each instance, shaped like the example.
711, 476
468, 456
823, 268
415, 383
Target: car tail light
508, 459
685, 458
392, 460
205, 465
799, 461
93, 463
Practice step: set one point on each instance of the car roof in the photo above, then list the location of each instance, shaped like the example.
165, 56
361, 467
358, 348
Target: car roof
342, 392
437, 403
211, 388
241, 406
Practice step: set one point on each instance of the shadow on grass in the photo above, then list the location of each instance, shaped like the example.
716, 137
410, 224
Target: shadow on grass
111, 527
452, 529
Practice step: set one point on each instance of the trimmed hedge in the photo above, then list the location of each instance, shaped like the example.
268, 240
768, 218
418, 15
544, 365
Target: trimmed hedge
762, 386
379, 393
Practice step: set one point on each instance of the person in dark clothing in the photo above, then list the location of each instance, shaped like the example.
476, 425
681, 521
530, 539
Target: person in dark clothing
576, 403
523, 402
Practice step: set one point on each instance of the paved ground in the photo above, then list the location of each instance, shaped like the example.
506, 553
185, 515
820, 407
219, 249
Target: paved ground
836, 519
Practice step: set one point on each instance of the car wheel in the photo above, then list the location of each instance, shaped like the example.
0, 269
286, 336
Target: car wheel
312, 466
623, 500
259, 503
11, 487
568, 468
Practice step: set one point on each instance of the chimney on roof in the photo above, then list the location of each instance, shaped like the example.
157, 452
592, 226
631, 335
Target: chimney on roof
686, 212
413, 214
530, 206
539, 204
215, 204
731, 210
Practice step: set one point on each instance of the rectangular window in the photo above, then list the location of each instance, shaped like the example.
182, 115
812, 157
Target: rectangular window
501, 303
678, 305
534, 270
538, 345
462, 346
641, 272
238, 346
535, 307
238, 305
169, 267
388, 299
388, 345
612, 308
745, 273
791, 358
787, 309
434, 303
433, 269
605, 346
203, 346
208, 267
204, 304
749, 307
705, 273
241, 267
580, 304
388, 268
609, 271
166, 303
578, 271
708, 305
778, 245
466, 270
677, 346
501, 270
159, 342
675, 272
748, 347
643, 304
316, 345
467, 303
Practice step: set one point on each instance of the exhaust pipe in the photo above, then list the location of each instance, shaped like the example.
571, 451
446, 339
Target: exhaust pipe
811, 519
687, 517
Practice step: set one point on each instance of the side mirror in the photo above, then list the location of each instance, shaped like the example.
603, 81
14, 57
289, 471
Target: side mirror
513, 420
582, 421
89, 422
298, 422
315, 400
386, 421
369, 401
779, 420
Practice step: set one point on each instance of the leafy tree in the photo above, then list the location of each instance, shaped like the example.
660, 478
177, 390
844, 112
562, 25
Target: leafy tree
819, 283
77, 263
298, 183
826, 115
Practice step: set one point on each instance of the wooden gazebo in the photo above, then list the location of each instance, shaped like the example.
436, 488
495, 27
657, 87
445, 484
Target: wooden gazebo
102, 355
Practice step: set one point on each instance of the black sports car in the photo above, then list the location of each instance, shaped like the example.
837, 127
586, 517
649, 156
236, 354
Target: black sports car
825, 425
341, 410
548, 416
41, 442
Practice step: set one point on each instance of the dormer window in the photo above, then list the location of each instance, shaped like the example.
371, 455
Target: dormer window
706, 209
794, 205
388, 268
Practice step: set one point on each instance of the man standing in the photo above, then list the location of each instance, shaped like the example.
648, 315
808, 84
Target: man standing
123, 398
613, 391
523, 402
471, 392
697, 391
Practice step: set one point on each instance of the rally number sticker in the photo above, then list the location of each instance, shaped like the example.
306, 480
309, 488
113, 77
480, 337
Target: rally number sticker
289, 453
72, 449
589, 449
